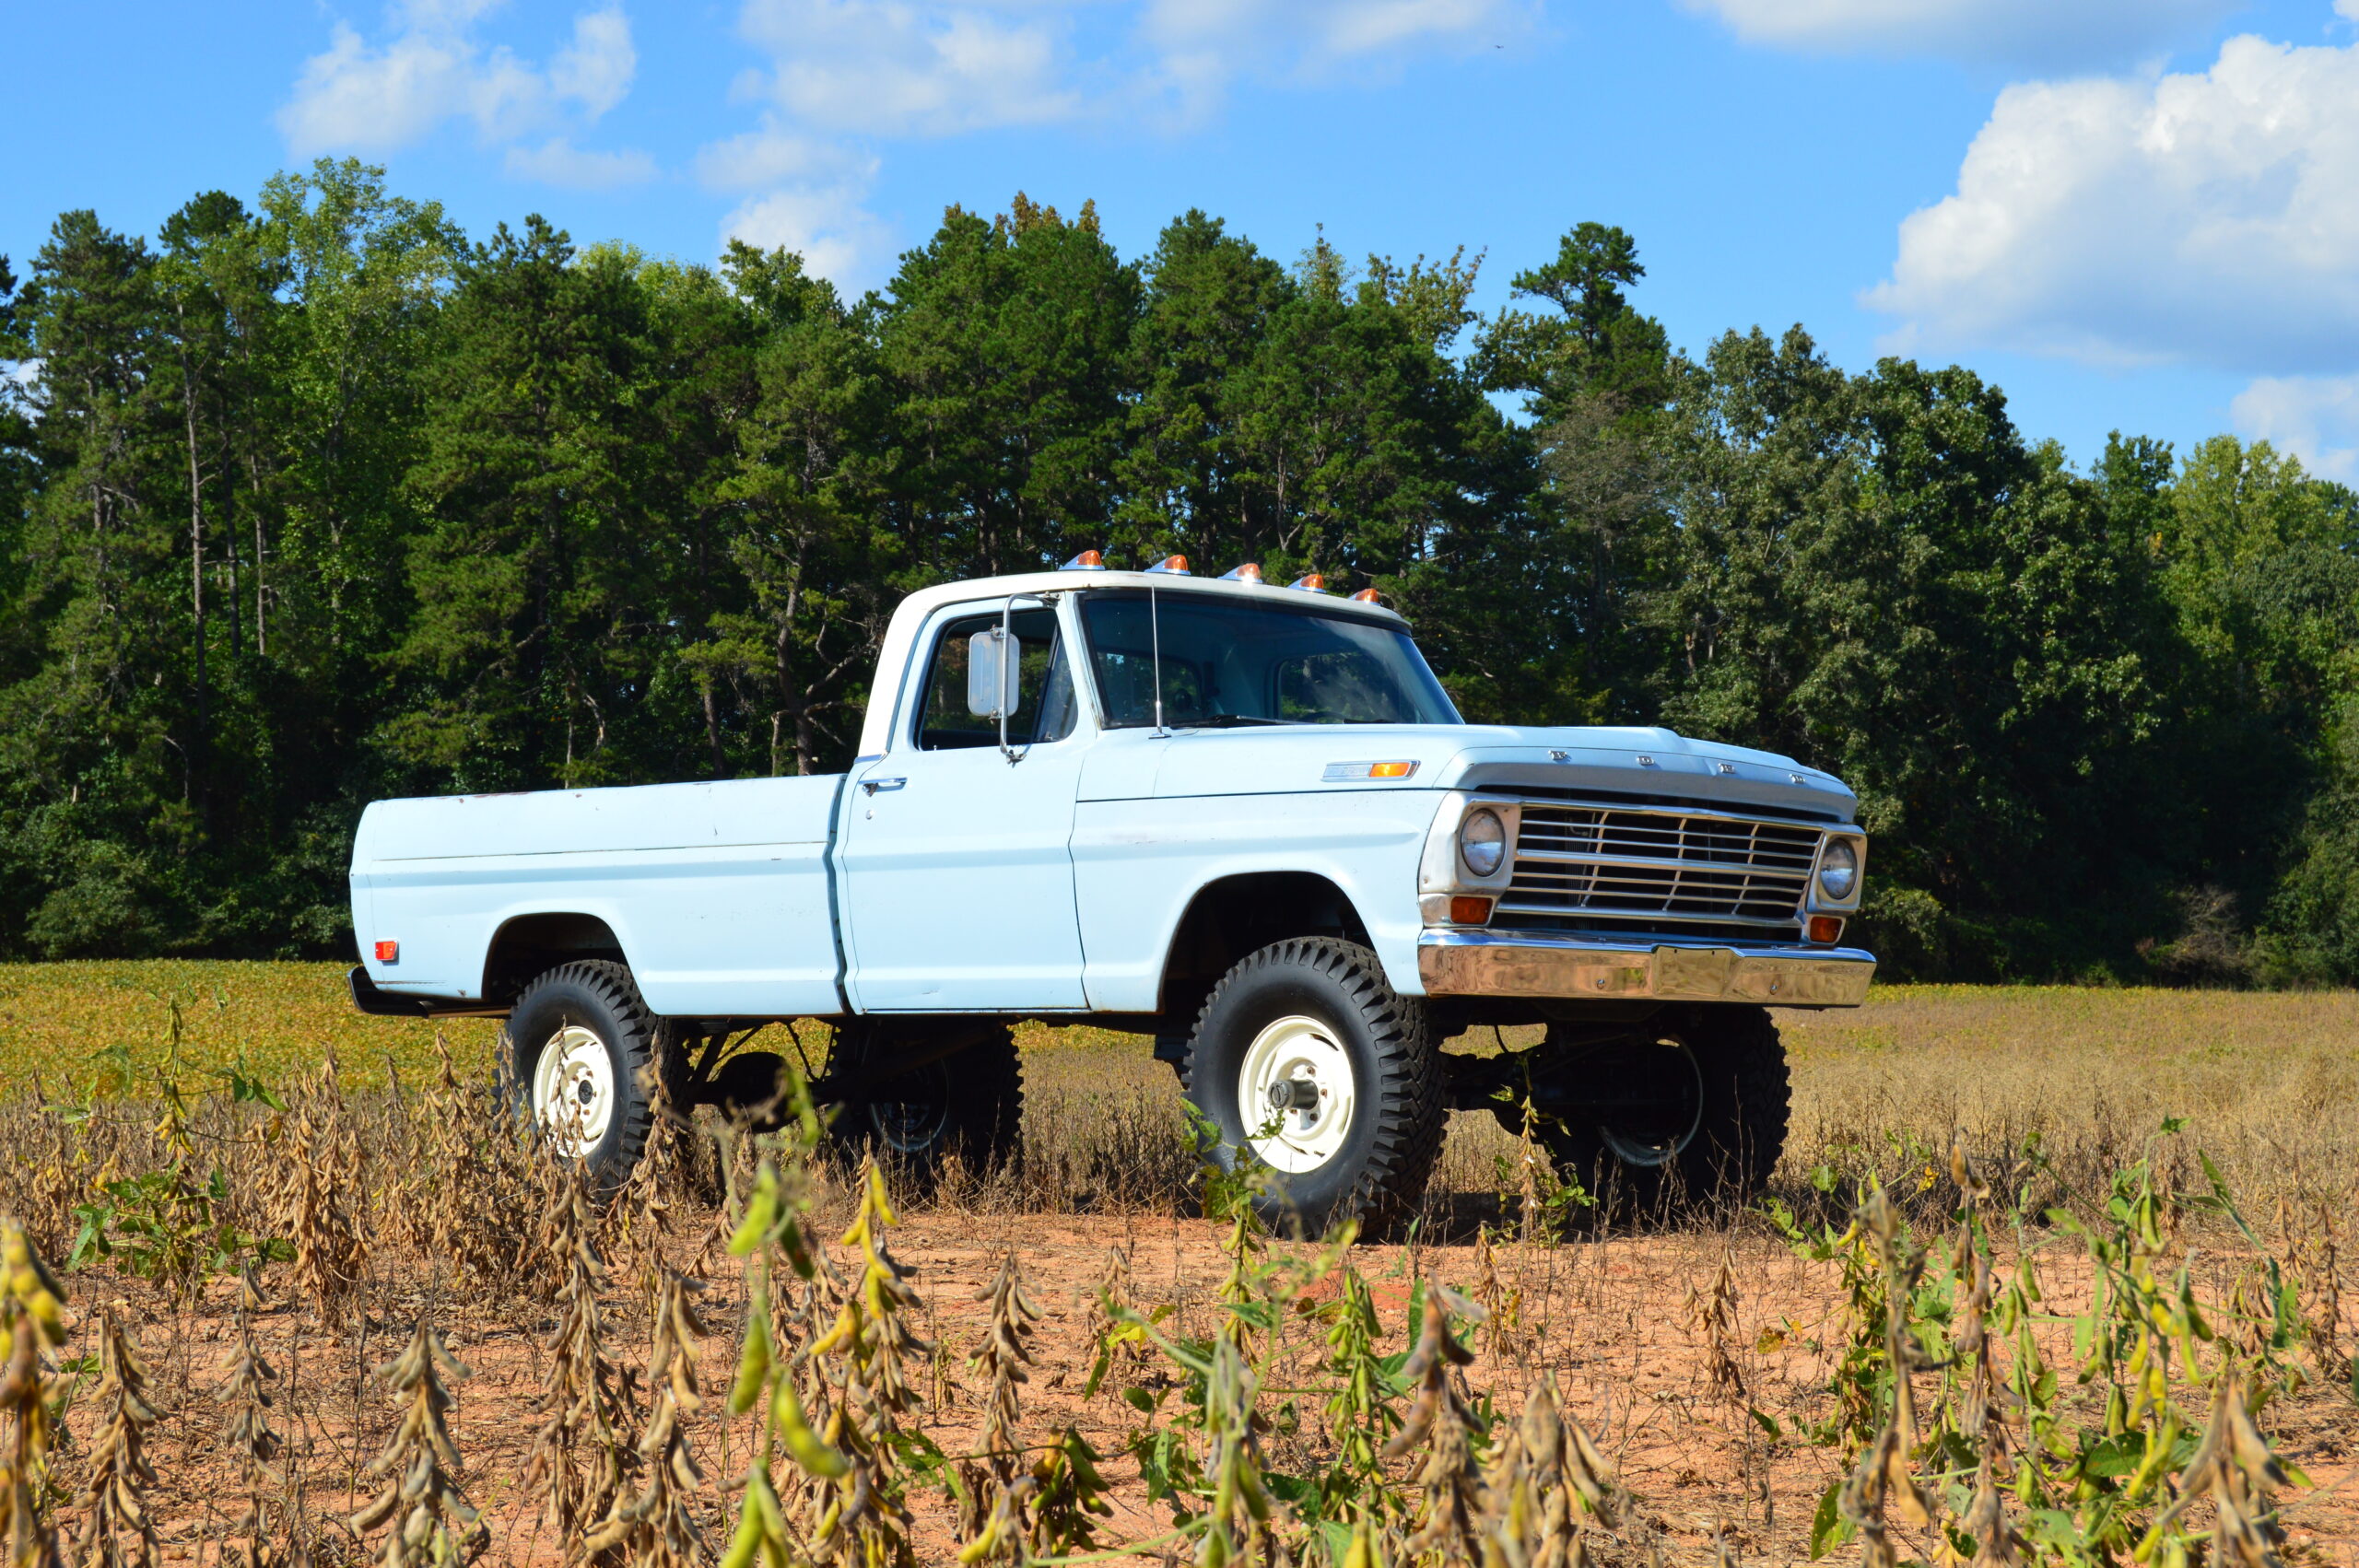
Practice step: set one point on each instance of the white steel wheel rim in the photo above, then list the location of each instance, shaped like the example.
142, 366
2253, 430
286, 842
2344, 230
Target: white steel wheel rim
1291, 1051
573, 1091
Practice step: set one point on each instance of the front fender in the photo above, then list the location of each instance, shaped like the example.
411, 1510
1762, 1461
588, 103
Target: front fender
1138, 864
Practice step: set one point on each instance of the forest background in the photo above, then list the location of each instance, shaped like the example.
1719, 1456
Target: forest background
315, 500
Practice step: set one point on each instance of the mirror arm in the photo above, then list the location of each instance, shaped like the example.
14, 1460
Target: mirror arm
1011, 671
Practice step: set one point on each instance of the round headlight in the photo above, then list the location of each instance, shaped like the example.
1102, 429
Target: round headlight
1482, 842
1838, 869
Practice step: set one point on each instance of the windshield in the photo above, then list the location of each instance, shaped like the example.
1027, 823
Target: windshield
1229, 662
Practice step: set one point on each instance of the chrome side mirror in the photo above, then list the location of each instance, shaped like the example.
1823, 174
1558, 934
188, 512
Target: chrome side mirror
990, 674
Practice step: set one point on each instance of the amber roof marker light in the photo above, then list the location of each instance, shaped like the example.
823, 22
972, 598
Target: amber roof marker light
1087, 561
1309, 582
1248, 572
1170, 566
1367, 596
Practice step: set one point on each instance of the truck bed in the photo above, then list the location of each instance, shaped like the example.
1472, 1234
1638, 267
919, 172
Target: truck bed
717, 892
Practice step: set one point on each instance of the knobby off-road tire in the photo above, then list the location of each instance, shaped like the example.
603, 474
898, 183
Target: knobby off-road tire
1720, 1149
581, 1053
1319, 1009
968, 1106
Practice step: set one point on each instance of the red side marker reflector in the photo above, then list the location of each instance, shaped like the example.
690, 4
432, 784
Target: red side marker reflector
1465, 910
1826, 929
388, 952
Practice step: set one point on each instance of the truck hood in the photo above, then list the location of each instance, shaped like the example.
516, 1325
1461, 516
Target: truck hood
1622, 760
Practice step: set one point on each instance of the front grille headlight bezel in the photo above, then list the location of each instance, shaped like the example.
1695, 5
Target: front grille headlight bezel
1841, 873
1482, 847
1442, 870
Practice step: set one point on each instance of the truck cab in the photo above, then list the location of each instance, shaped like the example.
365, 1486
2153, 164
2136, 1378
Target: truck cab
1241, 817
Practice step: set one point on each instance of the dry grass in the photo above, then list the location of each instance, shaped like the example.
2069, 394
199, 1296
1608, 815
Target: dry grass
2266, 1079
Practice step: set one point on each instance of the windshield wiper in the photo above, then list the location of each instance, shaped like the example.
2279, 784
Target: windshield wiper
1226, 721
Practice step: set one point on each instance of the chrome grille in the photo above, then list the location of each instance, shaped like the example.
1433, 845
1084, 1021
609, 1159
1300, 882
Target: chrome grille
1670, 873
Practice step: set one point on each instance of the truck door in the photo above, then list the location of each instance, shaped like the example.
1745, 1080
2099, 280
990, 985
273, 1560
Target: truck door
958, 858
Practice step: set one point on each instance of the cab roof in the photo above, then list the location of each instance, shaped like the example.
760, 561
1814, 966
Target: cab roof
900, 634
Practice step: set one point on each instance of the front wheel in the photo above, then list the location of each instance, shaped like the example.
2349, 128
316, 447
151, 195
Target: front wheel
1694, 1110
582, 1046
1307, 1064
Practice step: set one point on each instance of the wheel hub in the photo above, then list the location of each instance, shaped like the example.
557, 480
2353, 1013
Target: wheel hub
1651, 1097
573, 1091
918, 1116
1297, 1077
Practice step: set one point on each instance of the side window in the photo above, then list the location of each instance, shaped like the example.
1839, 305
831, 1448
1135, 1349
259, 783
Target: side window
1045, 703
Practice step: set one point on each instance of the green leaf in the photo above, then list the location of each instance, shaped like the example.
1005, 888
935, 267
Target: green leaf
1828, 1527
1767, 1423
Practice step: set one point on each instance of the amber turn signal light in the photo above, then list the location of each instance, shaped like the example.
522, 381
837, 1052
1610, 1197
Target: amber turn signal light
1826, 929
1465, 910
388, 952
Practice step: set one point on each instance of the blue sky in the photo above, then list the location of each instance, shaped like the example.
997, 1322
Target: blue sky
2141, 214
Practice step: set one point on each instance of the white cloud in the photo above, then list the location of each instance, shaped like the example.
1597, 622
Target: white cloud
903, 70
837, 238
1200, 45
558, 162
2314, 417
842, 75
361, 96
595, 69
2040, 34
775, 156
2211, 218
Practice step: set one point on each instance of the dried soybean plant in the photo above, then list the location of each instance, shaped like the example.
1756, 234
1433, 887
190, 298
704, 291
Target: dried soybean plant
1448, 1482
658, 1527
425, 1517
32, 1325
992, 1477
2234, 1468
580, 1461
117, 1529
1711, 1323
1545, 1482
253, 1445
466, 1197
639, 1216
318, 1202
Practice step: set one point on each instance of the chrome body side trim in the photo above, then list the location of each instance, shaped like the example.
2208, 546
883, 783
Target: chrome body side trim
1538, 964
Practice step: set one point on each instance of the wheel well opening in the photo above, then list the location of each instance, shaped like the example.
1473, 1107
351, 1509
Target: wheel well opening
532, 945
1239, 915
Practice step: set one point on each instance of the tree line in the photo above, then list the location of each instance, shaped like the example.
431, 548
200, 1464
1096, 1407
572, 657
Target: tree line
315, 500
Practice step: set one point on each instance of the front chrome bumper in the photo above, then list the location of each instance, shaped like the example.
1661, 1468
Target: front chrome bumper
1535, 964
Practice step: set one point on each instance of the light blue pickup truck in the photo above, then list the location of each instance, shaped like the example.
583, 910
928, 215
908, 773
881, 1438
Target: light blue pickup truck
1241, 817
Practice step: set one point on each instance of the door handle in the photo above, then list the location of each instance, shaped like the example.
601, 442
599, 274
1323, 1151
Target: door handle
874, 785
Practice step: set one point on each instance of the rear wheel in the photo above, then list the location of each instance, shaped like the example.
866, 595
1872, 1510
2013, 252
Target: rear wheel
581, 1050
1695, 1111
1306, 1063
968, 1106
